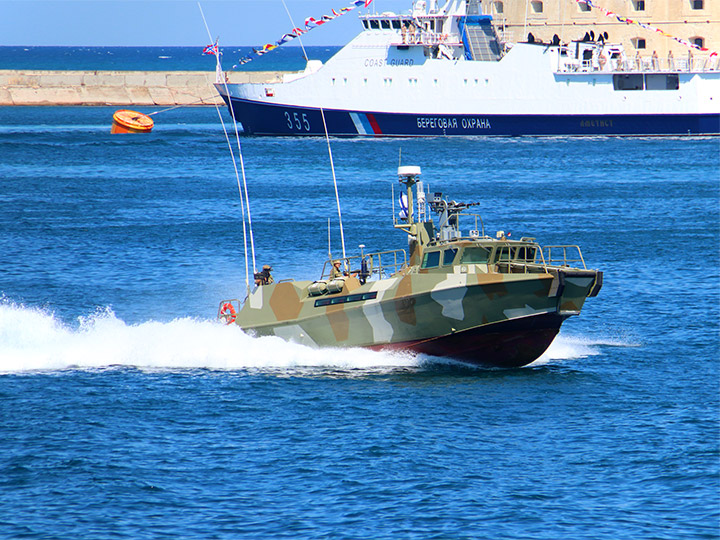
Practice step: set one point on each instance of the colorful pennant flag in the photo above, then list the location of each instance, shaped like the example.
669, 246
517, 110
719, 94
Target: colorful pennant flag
211, 49
310, 23
625, 20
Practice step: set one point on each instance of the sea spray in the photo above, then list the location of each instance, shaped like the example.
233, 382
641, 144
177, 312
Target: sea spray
35, 339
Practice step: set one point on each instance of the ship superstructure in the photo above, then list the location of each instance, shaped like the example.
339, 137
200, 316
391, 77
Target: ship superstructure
444, 71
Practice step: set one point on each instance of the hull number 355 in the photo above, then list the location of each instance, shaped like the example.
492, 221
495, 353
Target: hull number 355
297, 121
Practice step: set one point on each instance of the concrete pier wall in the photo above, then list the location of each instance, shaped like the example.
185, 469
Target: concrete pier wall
124, 88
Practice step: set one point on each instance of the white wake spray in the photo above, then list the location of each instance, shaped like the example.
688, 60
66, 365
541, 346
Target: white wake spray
35, 339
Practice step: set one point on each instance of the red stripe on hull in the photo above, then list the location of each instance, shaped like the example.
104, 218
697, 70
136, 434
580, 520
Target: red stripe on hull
506, 344
374, 124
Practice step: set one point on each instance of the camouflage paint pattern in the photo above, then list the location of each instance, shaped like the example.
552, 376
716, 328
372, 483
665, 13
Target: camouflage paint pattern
505, 311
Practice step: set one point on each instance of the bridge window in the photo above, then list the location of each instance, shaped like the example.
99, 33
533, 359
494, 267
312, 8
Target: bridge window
375, 25
449, 256
431, 259
396, 25
524, 254
385, 24
475, 255
537, 6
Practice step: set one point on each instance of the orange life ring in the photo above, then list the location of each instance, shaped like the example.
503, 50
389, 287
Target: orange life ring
228, 313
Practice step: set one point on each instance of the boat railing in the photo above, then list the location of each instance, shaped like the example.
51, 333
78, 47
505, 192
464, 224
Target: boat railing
568, 255
638, 64
378, 264
423, 37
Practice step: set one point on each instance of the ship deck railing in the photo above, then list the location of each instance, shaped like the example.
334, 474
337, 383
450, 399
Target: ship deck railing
647, 64
426, 38
566, 255
545, 258
380, 264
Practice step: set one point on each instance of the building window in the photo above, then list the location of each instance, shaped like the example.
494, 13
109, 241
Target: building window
638, 43
639, 5
584, 6
498, 7
537, 6
697, 4
700, 42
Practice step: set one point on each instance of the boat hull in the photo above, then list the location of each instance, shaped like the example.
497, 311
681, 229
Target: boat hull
506, 344
261, 118
500, 320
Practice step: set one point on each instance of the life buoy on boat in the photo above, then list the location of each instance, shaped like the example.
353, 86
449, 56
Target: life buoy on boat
227, 312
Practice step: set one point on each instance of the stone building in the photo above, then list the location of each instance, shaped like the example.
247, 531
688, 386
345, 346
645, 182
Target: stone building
697, 21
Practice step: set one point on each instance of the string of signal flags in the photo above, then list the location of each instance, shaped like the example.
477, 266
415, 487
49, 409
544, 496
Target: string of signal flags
310, 24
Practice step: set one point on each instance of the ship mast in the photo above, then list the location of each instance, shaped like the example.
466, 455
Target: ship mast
419, 233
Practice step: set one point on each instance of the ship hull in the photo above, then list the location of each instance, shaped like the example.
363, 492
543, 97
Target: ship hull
499, 320
506, 344
261, 118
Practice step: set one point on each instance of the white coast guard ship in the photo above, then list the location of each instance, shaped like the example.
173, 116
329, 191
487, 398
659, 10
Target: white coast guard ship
445, 71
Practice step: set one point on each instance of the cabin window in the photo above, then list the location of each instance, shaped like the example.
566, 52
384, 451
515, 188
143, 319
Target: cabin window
639, 5
431, 259
537, 6
633, 81
385, 24
345, 299
498, 7
475, 255
656, 81
524, 254
396, 25
449, 256
700, 42
503, 254
638, 43
375, 25
584, 6
697, 4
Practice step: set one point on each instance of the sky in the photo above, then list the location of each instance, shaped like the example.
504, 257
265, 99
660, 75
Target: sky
174, 22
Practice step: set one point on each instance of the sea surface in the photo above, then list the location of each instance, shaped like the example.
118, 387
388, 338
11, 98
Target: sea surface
287, 58
128, 412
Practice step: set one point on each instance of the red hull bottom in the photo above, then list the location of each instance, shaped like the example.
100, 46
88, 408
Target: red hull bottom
505, 344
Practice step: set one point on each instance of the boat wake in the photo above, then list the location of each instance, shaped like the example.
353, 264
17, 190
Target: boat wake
33, 339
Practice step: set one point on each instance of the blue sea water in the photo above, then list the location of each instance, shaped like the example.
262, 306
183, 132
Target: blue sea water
287, 58
128, 412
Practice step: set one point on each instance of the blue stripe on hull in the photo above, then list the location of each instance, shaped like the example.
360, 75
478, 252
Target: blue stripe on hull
271, 119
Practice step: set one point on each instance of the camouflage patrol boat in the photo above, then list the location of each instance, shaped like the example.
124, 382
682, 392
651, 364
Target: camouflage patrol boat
478, 299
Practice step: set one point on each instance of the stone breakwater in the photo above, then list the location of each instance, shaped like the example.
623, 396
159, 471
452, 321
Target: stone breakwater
122, 88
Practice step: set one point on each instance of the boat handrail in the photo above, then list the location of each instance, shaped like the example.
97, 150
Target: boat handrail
426, 38
646, 64
375, 264
550, 260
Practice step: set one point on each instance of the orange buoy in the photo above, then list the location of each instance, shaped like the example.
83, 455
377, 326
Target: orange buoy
125, 121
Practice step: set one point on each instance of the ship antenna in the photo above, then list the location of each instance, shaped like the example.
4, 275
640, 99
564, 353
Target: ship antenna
246, 202
329, 245
327, 140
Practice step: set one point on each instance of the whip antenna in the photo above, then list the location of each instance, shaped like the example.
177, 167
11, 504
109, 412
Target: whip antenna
327, 140
243, 188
